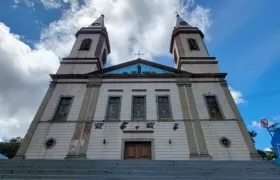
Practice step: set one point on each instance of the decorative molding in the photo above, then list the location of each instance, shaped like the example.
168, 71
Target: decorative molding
198, 62
138, 131
162, 90
115, 90
139, 90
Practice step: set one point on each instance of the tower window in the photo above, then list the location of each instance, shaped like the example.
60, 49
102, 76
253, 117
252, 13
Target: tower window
164, 112
138, 108
86, 43
175, 56
213, 108
193, 45
104, 57
63, 109
113, 111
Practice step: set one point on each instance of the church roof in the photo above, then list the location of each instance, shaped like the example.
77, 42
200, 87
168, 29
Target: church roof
139, 66
182, 23
98, 23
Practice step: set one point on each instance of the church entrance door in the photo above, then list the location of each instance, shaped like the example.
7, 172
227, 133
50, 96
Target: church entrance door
137, 150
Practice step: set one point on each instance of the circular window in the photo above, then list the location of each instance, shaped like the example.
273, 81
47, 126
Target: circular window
225, 142
50, 143
183, 23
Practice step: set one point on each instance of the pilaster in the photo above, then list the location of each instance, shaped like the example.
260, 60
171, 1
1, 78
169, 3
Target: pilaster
197, 146
80, 138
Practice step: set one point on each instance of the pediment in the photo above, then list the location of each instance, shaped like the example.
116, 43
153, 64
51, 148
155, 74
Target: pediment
139, 66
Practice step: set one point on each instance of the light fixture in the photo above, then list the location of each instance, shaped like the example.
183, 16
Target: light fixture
170, 142
104, 141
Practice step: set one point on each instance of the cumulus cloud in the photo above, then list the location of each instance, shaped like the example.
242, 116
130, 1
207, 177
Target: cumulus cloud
144, 25
267, 150
24, 78
237, 96
132, 25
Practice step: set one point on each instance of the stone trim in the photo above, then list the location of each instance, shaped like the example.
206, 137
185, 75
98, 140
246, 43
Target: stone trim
179, 46
115, 90
139, 90
199, 62
244, 131
138, 131
162, 90
202, 148
31, 130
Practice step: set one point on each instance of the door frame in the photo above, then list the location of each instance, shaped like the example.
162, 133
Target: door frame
138, 140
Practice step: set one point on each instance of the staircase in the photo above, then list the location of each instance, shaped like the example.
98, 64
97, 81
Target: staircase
138, 170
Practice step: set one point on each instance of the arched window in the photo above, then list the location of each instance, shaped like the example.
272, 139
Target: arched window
85, 44
193, 44
104, 57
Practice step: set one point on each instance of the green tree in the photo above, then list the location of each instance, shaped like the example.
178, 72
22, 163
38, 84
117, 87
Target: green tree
271, 154
9, 149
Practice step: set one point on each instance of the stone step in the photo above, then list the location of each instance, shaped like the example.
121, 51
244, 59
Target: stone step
135, 163
140, 173
144, 168
127, 177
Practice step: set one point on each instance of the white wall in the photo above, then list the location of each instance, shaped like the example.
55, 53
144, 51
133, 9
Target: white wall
126, 101
201, 68
214, 130
75, 53
187, 52
200, 89
111, 132
76, 68
76, 90
62, 132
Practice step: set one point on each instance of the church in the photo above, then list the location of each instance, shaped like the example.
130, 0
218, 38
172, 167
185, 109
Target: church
138, 109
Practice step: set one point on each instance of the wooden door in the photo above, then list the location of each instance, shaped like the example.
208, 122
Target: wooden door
137, 150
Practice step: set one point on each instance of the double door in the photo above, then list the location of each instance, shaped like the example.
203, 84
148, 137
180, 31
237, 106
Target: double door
138, 150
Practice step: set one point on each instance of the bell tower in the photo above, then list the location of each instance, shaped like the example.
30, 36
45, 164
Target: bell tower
90, 50
189, 51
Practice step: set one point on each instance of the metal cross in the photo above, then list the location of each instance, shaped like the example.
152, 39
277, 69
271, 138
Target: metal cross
139, 54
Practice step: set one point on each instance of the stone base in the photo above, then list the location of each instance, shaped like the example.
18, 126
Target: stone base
256, 157
19, 157
200, 157
76, 157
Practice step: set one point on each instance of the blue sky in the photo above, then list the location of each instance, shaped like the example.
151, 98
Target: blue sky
242, 35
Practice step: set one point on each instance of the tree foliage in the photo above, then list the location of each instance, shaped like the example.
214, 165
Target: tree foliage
253, 134
9, 149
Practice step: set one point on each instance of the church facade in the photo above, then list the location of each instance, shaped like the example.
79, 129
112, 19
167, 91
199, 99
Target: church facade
138, 109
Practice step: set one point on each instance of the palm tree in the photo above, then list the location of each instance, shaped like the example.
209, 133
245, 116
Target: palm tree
253, 134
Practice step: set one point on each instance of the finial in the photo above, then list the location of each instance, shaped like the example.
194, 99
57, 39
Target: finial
102, 15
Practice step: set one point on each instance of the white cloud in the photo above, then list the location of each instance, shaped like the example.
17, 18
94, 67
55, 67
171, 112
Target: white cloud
144, 25
237, 96
267, 150
132, 25
1, 140
24, 76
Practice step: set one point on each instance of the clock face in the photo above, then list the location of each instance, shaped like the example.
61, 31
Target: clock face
96, 24
183, 23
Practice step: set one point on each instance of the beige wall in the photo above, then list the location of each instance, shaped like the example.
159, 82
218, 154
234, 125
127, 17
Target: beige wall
62, 132
126, 101
200, 89
201, 68
214, 130
111, 132
187, 52
75, 53
76, 90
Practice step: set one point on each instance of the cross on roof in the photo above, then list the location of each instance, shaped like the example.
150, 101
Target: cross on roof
139, 54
